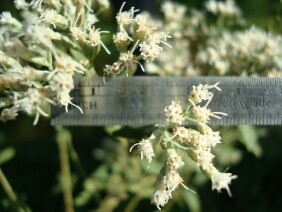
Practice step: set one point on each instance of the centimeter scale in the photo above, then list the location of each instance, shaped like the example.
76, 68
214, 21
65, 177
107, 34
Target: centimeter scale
141, 100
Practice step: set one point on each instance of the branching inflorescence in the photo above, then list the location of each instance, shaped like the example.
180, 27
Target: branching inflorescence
56, 41
136, 39
176, 139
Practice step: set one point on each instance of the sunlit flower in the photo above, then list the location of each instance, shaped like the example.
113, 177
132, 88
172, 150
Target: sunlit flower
160, 198
145, 149
21, 4
173, 113
201, 92
222, 181
174, 161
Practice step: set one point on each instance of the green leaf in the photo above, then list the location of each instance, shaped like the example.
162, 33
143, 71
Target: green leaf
6, 155
192, 200
249, 137
40, 61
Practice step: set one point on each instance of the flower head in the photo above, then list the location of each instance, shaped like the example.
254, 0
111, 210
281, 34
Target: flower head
63, 98
21, 4
173, 113
150, 50
201, 92
6, 18
172, 180
222, 181
32, 102
145, 149
125, 18
9, 114
160, 198
95, 38
174, 161
203, 114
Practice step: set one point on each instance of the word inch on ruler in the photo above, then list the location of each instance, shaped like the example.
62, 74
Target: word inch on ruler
141, 100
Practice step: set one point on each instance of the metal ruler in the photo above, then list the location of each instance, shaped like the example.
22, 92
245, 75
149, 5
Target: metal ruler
141, 100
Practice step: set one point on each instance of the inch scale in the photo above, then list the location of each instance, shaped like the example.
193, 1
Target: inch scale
141, 100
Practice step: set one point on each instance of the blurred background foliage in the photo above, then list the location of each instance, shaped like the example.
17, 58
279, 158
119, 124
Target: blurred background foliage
106, 177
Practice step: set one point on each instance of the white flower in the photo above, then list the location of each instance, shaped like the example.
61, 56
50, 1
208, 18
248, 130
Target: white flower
61, 81
198, 140
53, 18
113, 69
212, 6
21, 4
41, 35
67, 64
160, 198
222, 181
63, 98
50, 17
173, 113
172, 180
174, 161
182, 134
203, 114
125, 18
121, 37
127, 58
76, 32
6, 18
9, 114
221, 67
212, 138
158, 38
201, 92
32, 102
36, 3
204, 158
170, 9
143, 28
145, 148
95, 38
227, 8
150, 51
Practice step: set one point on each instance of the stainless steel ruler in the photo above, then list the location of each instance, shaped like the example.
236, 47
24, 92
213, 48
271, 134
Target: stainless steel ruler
141, 100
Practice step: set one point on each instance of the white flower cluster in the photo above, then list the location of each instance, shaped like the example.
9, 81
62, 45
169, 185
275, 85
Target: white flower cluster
169, 180
196, 143
39, 60
135, 32
145, 148
202, 47
177, 60
258, 52
174, 113
226, 8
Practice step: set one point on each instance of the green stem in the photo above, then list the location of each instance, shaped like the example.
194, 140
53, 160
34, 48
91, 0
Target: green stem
75, 158
63, 138
133, 203
9, 191
191, 120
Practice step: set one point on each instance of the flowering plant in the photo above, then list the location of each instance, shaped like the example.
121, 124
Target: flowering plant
48, 42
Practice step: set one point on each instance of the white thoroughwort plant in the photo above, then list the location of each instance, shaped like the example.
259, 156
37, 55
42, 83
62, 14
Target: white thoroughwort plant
176, 139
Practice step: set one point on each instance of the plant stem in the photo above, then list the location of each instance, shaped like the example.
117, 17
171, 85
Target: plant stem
9, 191
75, 158
133, 203
63, 137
